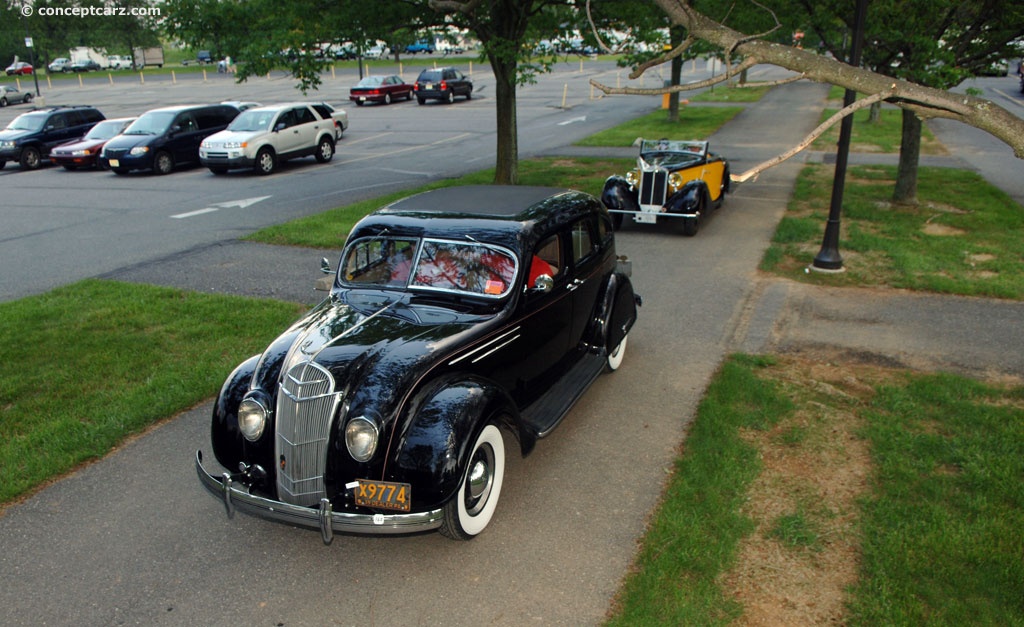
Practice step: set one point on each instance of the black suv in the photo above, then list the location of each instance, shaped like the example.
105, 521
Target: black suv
30, 136
442, 84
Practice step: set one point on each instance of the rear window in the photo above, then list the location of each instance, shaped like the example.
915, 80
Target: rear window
430, 75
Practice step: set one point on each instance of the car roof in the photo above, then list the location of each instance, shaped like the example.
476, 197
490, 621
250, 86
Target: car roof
282, 105
177, 108
512, 215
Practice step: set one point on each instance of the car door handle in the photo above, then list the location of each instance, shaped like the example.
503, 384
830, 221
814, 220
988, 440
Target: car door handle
576, 283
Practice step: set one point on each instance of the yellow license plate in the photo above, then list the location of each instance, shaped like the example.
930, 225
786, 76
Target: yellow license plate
383, 494
114, 163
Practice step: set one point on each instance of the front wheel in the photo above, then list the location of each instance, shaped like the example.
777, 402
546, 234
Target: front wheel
266, 162
163, 163
30, 158
615, 357
28, 98
468, 512
3, 102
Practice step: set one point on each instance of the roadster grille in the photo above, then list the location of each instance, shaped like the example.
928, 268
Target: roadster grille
305, 409
653, 186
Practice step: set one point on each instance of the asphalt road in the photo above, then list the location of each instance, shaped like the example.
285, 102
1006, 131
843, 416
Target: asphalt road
58, 226
135, 540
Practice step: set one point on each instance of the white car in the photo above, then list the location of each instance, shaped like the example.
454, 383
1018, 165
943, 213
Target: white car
263, 137
118, 62
339, 116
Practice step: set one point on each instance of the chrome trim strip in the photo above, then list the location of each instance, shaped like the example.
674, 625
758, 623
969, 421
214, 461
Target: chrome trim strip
496, 348
485, 346
315, 518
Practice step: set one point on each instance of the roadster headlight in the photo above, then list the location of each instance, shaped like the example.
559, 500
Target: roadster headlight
361, 436
675, 180
252, 418
632, 177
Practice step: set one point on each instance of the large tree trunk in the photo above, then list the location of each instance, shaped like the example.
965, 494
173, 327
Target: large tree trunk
506, 171
676, 35
910, 155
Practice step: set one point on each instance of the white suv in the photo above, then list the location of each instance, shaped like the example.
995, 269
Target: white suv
262, 137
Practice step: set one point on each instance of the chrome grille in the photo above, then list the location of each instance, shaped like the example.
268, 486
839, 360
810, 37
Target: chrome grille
653, 185
305, 409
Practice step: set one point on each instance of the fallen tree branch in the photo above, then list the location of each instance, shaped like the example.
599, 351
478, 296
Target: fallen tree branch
753, 172
640, 91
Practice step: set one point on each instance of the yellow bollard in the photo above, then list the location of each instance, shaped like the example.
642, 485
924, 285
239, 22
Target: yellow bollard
333, 75
142, 79
565, 92
174, 78
80, 80
110, 77
471, 69
17, 83
581, 65
204, 75
49, 85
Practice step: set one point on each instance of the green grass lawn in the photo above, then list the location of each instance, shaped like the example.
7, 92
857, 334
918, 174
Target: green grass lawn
963, 237
940, 517
694, 123
882, 136
84, 366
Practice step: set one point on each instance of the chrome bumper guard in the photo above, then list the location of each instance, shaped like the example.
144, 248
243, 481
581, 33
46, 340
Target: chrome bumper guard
324, 518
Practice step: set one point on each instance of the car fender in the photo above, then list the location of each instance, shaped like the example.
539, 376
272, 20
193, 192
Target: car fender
619, 195
228, 442
690, 199
615, 313
444, 421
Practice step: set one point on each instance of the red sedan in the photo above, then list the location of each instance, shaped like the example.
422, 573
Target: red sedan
19, 67
85, 151
380, 89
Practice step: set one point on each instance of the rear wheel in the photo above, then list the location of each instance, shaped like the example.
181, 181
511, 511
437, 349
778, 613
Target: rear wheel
28, 98
324, 150
468, 512
615, 356
3, 102
387, 99
421, 100
451, 97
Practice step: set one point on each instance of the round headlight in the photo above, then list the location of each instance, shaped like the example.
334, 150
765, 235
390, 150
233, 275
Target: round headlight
632, 177
675, 180
361, 438
252, 418
139, 150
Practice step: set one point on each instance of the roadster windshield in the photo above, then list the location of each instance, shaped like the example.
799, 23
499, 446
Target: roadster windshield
460, 267
672, 153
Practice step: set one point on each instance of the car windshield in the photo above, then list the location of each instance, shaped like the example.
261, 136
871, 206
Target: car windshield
252, 120
27, 122
459, 267
105, 130
152, 123
370, 81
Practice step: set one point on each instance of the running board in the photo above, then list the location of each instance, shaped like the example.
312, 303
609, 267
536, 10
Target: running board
544, 414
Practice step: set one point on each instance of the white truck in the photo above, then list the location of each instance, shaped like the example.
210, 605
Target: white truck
118, 62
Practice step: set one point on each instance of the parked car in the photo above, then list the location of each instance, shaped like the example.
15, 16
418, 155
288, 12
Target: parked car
164, 139
339, 116
417, 47
84, 65
380, 89
60, 64
11, 95
442, 84
263, 137
18, 68
85, 152
119, 62
203, 57
377, 51
675, 180
459, 319
30, 137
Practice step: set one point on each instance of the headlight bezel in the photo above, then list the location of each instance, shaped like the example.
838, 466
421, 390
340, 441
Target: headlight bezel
675, 180
633, 177
253, 416
362, 436
138, 150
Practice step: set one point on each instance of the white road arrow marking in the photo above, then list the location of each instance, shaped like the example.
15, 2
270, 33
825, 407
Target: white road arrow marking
582, 118
240, 204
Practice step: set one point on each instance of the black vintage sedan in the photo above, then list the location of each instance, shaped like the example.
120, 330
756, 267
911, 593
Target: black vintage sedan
680, 181
459, 320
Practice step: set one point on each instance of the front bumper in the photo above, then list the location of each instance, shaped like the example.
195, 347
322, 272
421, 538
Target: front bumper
10, 154
324, 518
221, 159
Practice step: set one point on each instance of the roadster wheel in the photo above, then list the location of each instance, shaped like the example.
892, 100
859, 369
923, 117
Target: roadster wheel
689, 227
615, 357
324, 150
467, 513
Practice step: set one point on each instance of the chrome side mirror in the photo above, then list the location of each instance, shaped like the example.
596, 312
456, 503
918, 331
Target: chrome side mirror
325, 283
544, 283
325, 266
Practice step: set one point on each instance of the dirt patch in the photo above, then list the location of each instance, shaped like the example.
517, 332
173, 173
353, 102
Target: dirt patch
814, 468
932, 228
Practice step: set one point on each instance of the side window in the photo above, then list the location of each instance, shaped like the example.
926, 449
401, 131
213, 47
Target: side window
604, 229
324, 112
582, 241
187, 123
286, 120
304, 115
547, 259
58, 121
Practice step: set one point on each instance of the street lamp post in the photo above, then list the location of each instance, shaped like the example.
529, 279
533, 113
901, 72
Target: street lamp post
828, 258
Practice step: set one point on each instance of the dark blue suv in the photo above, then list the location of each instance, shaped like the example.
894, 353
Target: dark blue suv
29, 137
